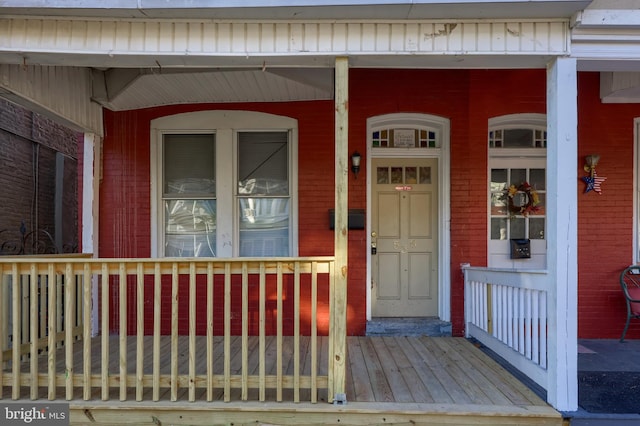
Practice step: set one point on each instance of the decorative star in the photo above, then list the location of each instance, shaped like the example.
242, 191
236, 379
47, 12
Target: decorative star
593, 183
589, 181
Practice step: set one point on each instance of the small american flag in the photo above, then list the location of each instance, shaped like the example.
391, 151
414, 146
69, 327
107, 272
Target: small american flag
593, 183
597, 181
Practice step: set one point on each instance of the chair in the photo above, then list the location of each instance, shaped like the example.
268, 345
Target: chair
630, 283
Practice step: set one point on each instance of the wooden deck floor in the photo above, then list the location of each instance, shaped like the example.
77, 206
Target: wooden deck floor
410, 380
441, 370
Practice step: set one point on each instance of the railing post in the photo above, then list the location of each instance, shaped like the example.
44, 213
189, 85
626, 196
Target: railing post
489, 311
338, 326
467, 301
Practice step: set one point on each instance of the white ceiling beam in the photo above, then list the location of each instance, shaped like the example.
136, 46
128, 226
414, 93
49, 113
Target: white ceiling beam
607, 18
165, 44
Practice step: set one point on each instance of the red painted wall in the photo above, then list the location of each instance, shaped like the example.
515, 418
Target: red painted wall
468, 98
605, 221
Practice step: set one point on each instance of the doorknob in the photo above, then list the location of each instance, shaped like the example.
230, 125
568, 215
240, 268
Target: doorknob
374, 244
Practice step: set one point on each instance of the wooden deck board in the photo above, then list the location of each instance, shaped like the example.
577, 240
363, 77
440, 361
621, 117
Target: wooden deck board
439, 370
517, 392
435, 388
473, 379
357, 376
398, 385
377, 377
419, 392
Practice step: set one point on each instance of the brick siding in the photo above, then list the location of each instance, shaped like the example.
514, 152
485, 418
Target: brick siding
28, 146
468, 98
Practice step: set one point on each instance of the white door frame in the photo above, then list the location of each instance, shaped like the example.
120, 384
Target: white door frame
442, 125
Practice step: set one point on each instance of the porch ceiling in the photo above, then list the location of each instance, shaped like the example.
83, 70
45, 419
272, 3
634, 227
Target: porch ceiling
126, 88
123, 89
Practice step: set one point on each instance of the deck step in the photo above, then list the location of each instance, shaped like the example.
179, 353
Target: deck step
423, 326
290, 414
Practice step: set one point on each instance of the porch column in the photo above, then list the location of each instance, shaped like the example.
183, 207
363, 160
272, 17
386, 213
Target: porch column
338, 328
562, 219
90, 203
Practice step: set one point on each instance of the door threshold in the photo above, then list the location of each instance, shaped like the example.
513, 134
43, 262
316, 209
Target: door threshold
408, 326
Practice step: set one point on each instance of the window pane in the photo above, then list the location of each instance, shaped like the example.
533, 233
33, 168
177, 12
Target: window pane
190, 228
498, 180
541, 207
537, 179
383, 175
498, 228
425, 175
518, 138
536, 229
189, 164
518, 176
264, 227
432, 140
498, 203
516, 227
396, 175
540, 139
404, 138
411, 175
263, 160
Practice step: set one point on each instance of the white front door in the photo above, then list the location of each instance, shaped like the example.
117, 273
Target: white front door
404, 237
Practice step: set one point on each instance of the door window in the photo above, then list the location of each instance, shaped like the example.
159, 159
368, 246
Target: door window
518, 198
517, 190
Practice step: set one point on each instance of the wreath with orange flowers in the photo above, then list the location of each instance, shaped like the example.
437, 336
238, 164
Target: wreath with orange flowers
531, 195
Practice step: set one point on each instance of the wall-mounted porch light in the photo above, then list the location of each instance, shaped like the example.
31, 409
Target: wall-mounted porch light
591, 163
355, 163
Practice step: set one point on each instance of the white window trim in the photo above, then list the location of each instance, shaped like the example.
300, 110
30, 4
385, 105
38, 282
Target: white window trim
442, 125
225, 125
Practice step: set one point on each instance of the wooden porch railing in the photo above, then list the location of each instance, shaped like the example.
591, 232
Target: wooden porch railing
50, 303
506, 310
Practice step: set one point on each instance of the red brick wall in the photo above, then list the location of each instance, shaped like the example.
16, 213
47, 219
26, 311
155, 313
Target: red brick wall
28, 146
468, 98
605, 221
